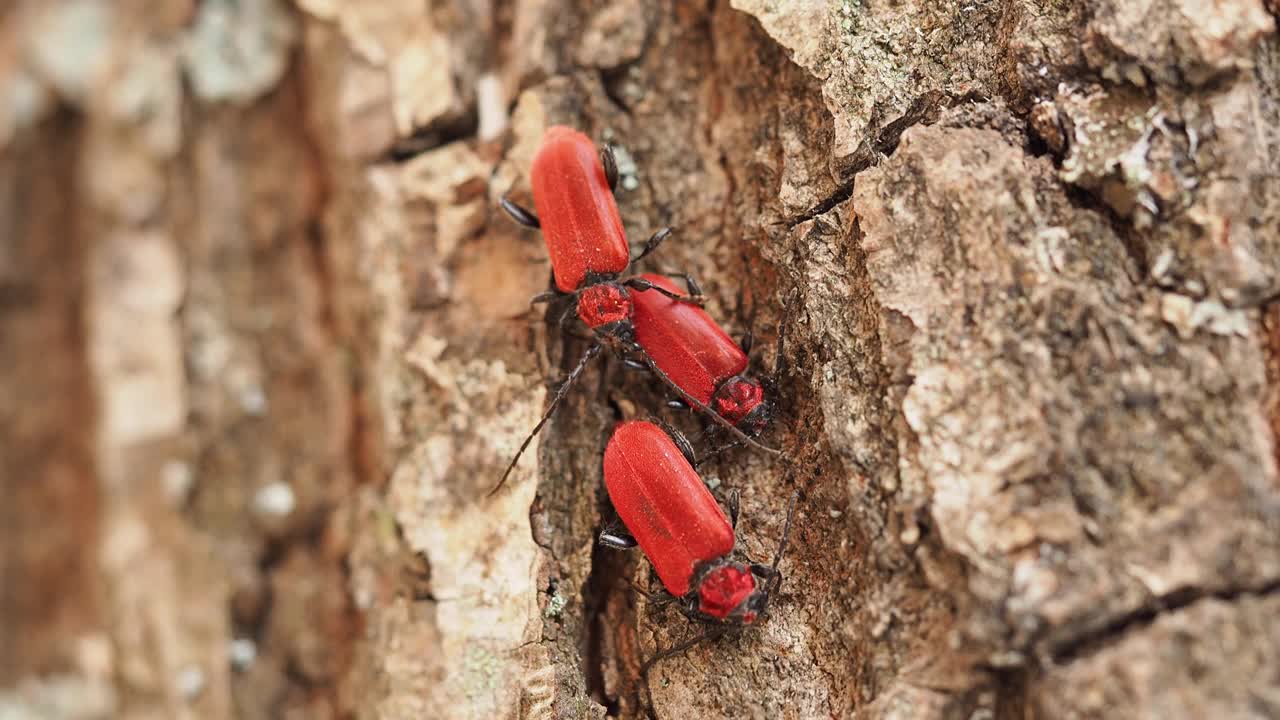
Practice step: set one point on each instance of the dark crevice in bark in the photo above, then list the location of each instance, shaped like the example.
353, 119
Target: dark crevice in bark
422, 140
1036, 146
610, 80
1011, 694
1133, 246
1271, 348
842, 193
603, 626
592, 649
924, 109
1091, 641
608, 574
50, 493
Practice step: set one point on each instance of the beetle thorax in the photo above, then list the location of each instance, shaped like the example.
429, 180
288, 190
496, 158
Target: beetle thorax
726, 588
737, 398
604, 304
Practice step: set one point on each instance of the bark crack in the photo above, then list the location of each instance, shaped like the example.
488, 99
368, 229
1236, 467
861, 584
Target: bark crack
923, 109
429, 138
1091, 641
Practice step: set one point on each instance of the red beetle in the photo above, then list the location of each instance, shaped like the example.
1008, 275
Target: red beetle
573, 193
669, 512
696, 354
672, 516
573, 189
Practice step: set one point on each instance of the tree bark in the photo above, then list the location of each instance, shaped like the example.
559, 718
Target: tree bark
266, 346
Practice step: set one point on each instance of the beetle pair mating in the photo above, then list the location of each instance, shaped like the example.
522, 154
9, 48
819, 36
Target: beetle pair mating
651, 324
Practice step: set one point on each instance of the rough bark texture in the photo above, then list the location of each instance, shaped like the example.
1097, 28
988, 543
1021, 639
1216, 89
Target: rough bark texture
265, 345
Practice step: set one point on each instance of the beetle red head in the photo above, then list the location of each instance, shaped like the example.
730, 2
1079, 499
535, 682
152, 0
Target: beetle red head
739, 398
604, 304
727, 590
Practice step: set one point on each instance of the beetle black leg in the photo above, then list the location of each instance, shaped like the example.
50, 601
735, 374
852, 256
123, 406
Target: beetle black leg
616, 540
567, 311
547, 296
695, 290
746, 341
652, 243
610, 168
681, 442
633, 364
659, 597
519, 214
564, 316
653, 598
763, 571
732, 501
576, 336
677, 404
722, 449
642, 285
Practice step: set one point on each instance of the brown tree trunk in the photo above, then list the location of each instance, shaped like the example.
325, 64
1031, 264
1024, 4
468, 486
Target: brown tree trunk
265, 346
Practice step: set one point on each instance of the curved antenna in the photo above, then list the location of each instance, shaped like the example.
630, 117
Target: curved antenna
711, 634
717, 451
555, 403
776, 579
783, 322
695, 404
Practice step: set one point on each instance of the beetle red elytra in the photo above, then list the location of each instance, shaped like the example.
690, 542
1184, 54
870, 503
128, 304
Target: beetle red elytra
669, 512
573, 196
699, 356
573, 192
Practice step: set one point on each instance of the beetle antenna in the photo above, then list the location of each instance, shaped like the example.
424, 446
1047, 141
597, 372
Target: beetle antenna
555, 403
775, 580
697, 405
746, 318
716, 451
788, 307
711, 634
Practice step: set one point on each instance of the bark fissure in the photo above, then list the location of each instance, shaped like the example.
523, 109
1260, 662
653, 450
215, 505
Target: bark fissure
923, 110
1094, 640
426, 139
